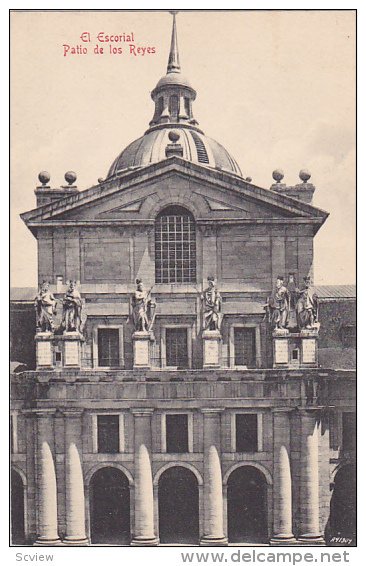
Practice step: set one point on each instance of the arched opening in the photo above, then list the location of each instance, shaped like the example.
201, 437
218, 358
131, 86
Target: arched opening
343, 503
110, 507
175, 246
17, 509
178, 506
247, 505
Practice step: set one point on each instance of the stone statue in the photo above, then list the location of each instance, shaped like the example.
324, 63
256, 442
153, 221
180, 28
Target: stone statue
45, 306
293, 295
277, 307
71, 309
143, 308
307, 307
212, 303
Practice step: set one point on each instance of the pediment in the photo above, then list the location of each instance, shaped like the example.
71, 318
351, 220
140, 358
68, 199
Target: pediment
141, 194
133, 206
220, 205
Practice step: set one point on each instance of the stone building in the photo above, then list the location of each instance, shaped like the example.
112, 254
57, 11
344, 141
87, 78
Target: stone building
180, 391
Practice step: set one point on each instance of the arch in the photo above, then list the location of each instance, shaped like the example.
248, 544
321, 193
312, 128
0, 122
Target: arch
260, 467
18, 487
109, 497
181, 464
21, 473
178, 506
343, 503
89, 474
178, 200
247, 505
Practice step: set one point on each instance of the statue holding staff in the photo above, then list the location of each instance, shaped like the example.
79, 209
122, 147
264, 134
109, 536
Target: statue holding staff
212, 303
71, 309
143, 308
45, 306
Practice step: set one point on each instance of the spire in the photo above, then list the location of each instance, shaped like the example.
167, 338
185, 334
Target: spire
173, 95
173, 61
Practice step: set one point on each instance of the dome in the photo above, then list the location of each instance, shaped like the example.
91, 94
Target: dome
196, 147
176, 79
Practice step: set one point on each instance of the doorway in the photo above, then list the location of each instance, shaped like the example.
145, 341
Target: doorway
110, 507
17, 509
178, 506
247, 506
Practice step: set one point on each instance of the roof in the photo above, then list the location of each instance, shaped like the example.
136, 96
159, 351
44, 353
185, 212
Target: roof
18, 294
335, 291
196, 147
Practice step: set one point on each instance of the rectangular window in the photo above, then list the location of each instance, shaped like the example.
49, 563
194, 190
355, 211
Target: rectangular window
244, 347
108, 347
348, 333
175, 247
349, 431
177, 347
108, 434
246, 432
177, 433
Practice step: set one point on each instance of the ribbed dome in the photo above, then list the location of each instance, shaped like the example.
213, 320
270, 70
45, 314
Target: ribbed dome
197, 148
173, 97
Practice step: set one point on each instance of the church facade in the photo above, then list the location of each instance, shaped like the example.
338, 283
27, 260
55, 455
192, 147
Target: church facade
179, 393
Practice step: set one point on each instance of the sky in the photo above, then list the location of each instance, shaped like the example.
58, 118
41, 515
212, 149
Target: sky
277, 89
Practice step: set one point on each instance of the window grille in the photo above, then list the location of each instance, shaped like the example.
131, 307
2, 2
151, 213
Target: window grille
176, 347
108, 347
175, 247
244, 347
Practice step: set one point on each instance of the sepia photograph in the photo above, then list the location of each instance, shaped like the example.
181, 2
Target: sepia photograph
183, 278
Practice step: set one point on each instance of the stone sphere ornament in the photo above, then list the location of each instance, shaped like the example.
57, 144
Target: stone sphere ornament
174, 136
304, 175
278, 175
44, 177
248, 179
70, 177
100, 180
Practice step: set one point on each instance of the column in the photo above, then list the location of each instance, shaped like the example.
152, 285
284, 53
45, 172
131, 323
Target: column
46, 480
212, 489
144, 532
282, 482
75, 501
309, 479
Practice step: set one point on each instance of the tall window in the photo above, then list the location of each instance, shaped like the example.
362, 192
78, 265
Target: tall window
108, 347
177, 347
246, 432
244, 347
175, 246
108, 434
173, 105
177, 433
349, 431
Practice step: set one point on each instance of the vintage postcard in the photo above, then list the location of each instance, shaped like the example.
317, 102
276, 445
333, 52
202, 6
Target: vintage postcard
183, 301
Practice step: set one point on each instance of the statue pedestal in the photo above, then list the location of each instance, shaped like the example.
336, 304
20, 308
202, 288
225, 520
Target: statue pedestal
141, 349
309, 346
72, 349
44, 352
211, 348
280, 347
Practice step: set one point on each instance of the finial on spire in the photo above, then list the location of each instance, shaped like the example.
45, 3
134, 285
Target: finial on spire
173, 61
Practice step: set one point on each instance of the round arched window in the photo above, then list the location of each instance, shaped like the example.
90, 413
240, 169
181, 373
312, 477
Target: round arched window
175, 246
